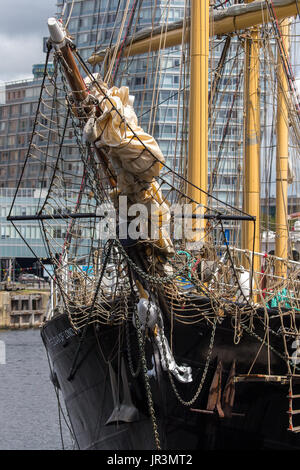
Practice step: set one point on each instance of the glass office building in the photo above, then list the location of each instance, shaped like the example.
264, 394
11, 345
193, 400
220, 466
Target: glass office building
94, 24
155, 82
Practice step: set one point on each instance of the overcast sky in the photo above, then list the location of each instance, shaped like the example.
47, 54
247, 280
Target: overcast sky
23, 24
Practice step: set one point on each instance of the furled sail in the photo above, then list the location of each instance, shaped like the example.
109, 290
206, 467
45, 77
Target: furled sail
135, 155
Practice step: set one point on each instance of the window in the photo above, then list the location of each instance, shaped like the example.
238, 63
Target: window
84, 23
27, 232
73, 25
12, 171
21, 139
111, 18
229, 180
44, 121
15, 95
13, 126
113, 4
25, 108
76, 9
140, 80
11, 140
34, 108
14, 233
102, 3
22, 155
5, 112
93, 38
4, 156
178, 14
35, 304
107, 35
25, 304
167, 80
96, 20
15, 109
32, 92
57, 233
34, 233
23, 125
88, 6
15, 304
14, 155
83, 38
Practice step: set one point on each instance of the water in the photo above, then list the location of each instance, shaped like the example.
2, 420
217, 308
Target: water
28, 403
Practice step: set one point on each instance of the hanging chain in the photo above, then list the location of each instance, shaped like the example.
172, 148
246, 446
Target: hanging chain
208, 357
141, 342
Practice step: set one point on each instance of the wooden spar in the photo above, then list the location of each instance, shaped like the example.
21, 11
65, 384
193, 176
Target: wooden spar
282, 233
170, 39
76, 81
78, 87
198, 107
251, 203
219, 25
74, 78
249, 19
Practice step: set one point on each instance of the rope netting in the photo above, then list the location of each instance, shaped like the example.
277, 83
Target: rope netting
80, 219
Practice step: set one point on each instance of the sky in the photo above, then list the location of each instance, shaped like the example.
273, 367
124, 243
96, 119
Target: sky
23, 24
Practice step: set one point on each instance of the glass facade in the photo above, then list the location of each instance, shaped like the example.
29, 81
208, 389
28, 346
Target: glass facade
157, 83
152, 78
225, 129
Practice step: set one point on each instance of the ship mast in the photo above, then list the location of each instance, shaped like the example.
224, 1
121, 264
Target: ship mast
251, 240
281, 243
198, 117
60, 41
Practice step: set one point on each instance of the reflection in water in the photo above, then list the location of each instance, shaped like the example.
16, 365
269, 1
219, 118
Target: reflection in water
28, 403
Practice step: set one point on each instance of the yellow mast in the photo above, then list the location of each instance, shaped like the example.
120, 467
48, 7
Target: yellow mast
252, 143
281, 244
198, 120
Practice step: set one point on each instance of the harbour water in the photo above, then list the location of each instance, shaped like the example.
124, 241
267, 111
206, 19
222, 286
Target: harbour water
28, 404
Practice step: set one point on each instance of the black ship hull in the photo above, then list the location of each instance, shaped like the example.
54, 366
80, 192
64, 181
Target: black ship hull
259, 415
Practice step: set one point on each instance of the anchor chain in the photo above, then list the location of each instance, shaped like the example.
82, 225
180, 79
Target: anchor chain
141, 342
208, 357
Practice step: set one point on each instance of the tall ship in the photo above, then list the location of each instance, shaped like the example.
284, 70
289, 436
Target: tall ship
169, 326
